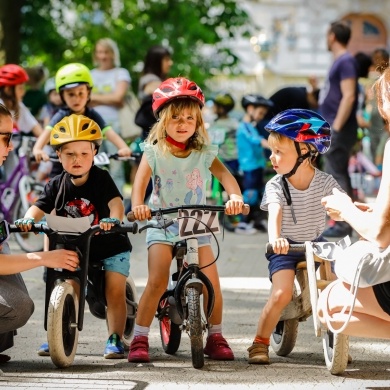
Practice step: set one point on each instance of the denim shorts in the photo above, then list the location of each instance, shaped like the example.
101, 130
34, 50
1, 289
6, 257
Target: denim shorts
279, 262
118, 263
171, 236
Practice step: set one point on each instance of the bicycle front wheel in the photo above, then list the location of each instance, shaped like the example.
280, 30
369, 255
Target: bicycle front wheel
336, 348
62, 332
195, 327
28, 242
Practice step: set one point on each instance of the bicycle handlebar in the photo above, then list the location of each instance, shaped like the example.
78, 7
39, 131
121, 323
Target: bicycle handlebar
293, 248
171, 210
43, 228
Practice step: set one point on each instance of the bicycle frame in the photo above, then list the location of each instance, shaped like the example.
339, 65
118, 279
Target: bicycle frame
16, 186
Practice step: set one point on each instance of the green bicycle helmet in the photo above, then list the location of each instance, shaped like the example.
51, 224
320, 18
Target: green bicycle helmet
73, 75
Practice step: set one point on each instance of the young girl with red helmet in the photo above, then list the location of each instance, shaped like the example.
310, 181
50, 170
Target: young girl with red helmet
178, 152
12, 89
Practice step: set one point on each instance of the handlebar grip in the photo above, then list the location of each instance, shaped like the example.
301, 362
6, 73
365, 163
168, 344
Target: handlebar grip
294, 248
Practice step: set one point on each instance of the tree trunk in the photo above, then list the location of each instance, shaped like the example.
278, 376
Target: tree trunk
10, 25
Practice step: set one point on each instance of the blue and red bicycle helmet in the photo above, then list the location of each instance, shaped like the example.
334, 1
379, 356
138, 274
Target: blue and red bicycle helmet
302, 125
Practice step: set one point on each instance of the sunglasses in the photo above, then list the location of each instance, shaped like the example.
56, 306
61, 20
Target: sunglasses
8, 137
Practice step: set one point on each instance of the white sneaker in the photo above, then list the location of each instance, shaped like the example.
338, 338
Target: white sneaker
245, 228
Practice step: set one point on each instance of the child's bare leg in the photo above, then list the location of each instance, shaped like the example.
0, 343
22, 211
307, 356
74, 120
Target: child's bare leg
116, 302
159, 262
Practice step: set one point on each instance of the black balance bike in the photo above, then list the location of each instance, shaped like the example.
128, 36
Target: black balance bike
64, 307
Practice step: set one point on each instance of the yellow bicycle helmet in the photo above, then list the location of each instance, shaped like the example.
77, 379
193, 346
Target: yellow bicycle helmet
72, 75
75, 128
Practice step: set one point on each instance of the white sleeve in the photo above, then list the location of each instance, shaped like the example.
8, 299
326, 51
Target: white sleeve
26, 121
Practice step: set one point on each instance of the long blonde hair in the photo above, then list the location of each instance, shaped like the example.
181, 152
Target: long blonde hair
382, 89
158, 132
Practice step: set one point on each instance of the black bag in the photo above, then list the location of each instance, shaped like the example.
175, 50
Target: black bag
144, 117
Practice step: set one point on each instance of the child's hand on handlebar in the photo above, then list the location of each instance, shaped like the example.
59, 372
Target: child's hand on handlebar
124, 152
24, 224
234, 205
142, 212
108, 223
280, 246
39, 155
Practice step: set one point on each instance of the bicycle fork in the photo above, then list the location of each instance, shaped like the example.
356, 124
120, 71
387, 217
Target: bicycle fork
193, 278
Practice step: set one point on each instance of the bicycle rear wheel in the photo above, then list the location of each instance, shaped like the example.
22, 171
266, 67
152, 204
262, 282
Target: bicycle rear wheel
62, 331
195, 327
131, 304
284, 337
28, 242
170, 332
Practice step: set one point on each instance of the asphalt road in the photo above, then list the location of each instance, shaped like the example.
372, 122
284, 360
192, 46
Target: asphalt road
243, 271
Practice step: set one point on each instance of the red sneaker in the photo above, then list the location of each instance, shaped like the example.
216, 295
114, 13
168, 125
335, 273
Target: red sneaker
139, 350
217, 348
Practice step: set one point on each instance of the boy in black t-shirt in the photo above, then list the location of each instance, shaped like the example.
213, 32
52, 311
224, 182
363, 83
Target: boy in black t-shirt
83, 189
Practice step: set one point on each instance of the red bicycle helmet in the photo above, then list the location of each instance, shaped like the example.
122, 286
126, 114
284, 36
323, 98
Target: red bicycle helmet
11, 74
175, 88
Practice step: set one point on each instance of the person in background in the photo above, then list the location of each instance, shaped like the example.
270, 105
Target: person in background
252, 160
74, 84
110, 85
13, 79
338, 104
16, 306
157, 64
54, 103
35, 98
378, 129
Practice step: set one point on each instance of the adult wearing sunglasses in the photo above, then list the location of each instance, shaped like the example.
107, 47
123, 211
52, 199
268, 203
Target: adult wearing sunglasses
16, 306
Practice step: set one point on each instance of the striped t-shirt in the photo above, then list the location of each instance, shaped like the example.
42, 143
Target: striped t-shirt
309, 212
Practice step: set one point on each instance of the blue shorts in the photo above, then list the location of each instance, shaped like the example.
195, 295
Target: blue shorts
118, 263
171, 236
280, 262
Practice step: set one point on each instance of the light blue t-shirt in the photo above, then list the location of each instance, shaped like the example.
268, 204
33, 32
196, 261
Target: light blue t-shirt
250, 152
178, 181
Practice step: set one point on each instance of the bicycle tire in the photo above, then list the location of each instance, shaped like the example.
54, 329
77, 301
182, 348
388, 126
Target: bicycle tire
195, 327
62, 331
170, 334
28, 242
284, 337
131, 306
336, 348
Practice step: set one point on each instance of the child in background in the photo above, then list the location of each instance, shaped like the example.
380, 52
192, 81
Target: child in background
177, 152
295, 214
252, 160
54, 103
83, 189
74, 84
12, 89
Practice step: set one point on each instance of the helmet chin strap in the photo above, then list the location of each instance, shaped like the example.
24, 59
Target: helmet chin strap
301, 158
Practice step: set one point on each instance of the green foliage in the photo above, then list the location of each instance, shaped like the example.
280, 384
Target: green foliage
58, 32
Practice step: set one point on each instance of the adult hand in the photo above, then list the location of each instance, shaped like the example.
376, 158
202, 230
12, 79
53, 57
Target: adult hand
59, 258
336, 203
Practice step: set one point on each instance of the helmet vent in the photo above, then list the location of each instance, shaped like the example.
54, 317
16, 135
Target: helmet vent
85, 126
62, 129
